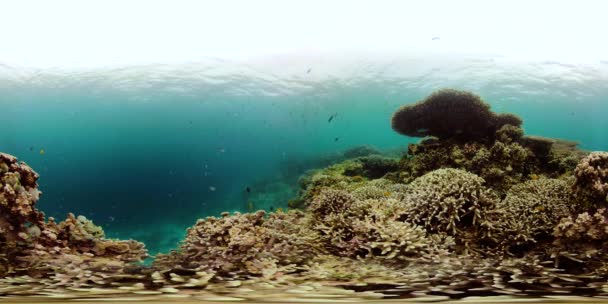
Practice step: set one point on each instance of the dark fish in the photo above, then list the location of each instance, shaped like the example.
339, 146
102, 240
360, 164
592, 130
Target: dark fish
337, 138
308, 71
332, 117
248, 190
271, 208
31, 148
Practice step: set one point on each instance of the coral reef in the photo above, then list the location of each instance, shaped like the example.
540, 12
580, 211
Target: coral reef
450, 113
505, 161
478, 209
18, 197
30, 245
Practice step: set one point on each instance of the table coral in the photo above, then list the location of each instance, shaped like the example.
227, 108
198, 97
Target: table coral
450, 113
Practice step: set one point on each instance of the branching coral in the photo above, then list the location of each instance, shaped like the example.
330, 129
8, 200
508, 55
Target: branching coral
247, 243
530, 211
370, 228
449, 201
450, 113
502, 163
583, 239
592, 178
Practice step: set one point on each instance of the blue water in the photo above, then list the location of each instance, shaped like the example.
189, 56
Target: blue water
146, 150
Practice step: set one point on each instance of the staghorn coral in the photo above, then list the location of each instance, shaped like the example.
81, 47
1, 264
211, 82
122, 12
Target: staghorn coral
368, 228
330, 202
592, 178
530, 211
449, 201
450, 113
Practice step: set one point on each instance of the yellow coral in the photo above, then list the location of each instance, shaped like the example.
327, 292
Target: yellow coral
358, 178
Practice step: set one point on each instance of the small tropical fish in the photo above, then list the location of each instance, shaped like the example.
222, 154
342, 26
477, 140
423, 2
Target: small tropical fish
211, 188
248, 190
539, 208
332, 117
42, 152
308, 71
31, 148
221, 150
111, 218
337, 138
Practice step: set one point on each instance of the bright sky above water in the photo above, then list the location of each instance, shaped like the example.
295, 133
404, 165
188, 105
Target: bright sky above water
77, 33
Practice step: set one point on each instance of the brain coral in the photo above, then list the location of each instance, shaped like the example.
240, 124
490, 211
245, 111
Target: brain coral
592, 177
450, 113
448, 201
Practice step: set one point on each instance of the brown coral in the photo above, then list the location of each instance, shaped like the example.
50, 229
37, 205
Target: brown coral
245, 243
32, 246
18, 196
583, 240
592, 178
450, 113
531, 210
448, 200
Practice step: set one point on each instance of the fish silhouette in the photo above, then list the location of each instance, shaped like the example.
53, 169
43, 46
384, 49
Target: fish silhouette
332, 117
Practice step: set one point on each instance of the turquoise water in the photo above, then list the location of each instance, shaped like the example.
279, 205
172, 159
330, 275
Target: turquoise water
144, 151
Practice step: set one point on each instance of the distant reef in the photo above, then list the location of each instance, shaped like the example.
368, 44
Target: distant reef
476, 208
